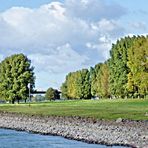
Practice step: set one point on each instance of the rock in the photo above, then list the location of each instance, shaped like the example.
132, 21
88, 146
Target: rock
126, 133
119, 120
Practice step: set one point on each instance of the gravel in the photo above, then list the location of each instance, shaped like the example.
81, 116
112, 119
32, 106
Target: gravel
119, 132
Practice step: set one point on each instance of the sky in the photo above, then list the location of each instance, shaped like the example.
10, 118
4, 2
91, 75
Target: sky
62, 36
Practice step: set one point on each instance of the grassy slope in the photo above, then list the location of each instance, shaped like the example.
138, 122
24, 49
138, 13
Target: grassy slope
101, 109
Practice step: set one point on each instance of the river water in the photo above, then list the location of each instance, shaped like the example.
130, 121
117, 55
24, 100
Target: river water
17, 139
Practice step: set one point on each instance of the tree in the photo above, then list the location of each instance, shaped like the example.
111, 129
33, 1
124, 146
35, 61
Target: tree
118, 68
94, 72
99, 76
16, 73
138, 65
52, 94
85, 85
77, 85
123, 75
103, 81
64, 90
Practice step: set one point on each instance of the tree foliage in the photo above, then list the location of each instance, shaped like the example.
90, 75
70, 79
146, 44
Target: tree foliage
77, 85
118, 67
103, 81
124, 74
100, 80
52, 94
15, 75
94, 72
138, 64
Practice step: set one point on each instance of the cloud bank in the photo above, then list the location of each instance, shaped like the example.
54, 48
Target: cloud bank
61, 37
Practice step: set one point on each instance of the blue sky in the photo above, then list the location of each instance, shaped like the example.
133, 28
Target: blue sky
6, 4
67, 35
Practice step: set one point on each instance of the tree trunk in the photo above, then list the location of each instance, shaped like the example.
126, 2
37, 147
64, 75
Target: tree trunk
13, 100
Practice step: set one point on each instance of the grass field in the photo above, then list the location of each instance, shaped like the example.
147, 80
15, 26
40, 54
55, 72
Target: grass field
135, 109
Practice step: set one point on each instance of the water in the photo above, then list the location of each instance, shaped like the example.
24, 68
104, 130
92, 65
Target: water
17, 139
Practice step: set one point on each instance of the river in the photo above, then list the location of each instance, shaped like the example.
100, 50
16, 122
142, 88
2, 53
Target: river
19, 139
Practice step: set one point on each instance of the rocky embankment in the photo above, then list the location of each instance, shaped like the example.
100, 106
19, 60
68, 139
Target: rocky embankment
128, 133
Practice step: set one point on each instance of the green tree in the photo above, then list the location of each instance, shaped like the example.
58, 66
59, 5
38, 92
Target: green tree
77, 85
63, 89
103, 81
15, 75
94, 72
138, 65
118, 68
124, 74
52, 94
85, 84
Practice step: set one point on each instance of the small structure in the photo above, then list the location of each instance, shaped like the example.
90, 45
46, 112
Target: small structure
38, 92
56, 93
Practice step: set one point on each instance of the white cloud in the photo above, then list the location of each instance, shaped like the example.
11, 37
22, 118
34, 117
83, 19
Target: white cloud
64, 59
138, 25
58, 37
94, 10
55, 66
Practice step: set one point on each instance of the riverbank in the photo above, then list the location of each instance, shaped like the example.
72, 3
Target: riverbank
128, 133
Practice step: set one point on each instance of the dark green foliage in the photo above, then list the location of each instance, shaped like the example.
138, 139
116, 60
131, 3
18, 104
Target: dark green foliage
52, 94
86, 87
118, 67
64, 90
49, 94
15, 75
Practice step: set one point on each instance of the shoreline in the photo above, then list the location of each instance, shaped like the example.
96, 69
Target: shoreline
122, 133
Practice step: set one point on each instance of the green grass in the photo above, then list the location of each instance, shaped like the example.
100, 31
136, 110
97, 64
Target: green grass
134, 109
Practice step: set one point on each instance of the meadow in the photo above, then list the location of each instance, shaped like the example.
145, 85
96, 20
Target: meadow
132, 109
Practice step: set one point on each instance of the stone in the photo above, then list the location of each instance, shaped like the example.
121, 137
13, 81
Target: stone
119, 120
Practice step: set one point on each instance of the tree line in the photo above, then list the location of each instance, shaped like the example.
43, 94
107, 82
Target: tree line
123, 75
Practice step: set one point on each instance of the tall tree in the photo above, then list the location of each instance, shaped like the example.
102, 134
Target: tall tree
15, 75
94, 72
138, 65
103, 81
118, 68
86, 86
77, 85
63, 89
